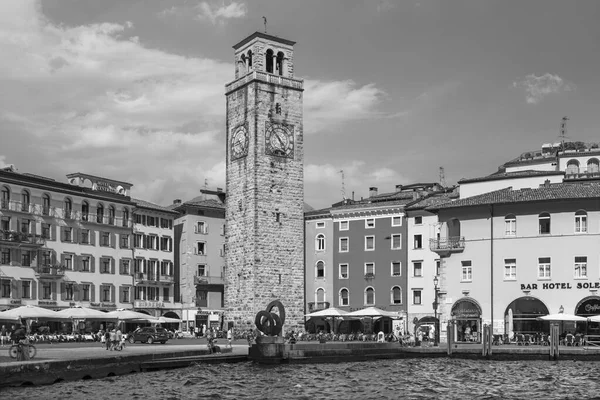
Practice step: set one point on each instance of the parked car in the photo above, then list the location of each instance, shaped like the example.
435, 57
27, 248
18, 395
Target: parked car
149, 335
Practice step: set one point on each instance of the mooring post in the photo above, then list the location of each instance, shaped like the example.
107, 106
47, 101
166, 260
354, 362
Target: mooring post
450, 337
554, 341
484, 340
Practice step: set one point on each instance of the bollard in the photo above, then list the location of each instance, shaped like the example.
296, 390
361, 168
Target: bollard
554, 341
450, 337
484, 340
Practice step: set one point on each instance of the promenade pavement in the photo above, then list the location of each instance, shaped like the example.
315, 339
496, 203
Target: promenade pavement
77, 351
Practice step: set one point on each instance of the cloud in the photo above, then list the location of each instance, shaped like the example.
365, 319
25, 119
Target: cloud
538, 87
427, 100
218, 14
321, 178
327, 105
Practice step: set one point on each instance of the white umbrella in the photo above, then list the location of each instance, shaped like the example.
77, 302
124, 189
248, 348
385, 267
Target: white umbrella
328, 312
561, 317
372, 312
129, 315
595, 318
83, 313
166, 320
29, 312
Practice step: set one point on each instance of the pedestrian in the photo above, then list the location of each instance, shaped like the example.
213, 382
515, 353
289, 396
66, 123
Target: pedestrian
3, 335
230, 337
119, 339
107, 339
250, 337
113, 339
203, 329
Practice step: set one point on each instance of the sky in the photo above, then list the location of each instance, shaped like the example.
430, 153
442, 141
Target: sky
133, 90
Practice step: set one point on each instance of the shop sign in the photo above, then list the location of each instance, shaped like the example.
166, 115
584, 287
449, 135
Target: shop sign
105, 187
15, 302
108, 305
149, 304
560, 285
466, 309
95, 304
47, 303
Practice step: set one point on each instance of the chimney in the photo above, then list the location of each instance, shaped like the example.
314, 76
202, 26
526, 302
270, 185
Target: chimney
398, 188
547, 183
372, 191
177, 201
353, 195
219, 190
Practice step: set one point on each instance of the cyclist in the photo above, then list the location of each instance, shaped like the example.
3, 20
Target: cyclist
18, 334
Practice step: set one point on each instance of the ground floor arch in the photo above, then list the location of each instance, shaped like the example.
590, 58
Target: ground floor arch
466, 317
521, 315
588, 306
171, 314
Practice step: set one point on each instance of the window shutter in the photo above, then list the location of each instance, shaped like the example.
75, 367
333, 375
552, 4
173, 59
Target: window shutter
63, 295
143, 220
76, 235
92, 264
121, 241
92, 237
14, 289
144, 266
170, 244
33, 290
113, 240
112, 266
92, 293
17, 257
76, 263
53, 290
112, 293
53, 257
62, 234
205, 229
76, 292
121, 267
52, 232
121, 295
62, 259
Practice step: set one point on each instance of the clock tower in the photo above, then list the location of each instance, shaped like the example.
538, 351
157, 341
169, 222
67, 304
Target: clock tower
264, 218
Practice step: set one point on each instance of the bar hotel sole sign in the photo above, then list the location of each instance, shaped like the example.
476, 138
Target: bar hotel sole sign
561, 285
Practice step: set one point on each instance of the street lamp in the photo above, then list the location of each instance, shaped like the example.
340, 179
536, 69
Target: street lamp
435, 306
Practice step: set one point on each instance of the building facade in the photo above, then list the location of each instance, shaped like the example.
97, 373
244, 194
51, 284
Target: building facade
265, 194
200, 259
510, 256
62, 244
152, 268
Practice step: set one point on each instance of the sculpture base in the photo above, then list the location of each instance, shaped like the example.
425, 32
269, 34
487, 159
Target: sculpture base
268, 349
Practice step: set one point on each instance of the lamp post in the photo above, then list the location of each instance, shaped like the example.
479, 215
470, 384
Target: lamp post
435, 306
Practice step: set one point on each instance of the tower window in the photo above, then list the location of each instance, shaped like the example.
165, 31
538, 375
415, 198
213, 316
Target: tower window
269, 61
249, 58
280, 63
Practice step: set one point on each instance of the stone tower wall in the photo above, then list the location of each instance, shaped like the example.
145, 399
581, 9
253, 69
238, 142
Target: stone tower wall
264, 212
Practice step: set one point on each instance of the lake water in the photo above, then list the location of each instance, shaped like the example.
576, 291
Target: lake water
382, 379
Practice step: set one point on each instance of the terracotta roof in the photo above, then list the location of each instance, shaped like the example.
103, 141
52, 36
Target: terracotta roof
557, 191
201, 202
510, 175
151, 206
432, 200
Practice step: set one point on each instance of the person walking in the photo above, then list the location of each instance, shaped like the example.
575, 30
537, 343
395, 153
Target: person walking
113, 339
229, 337
107, 339
3, 335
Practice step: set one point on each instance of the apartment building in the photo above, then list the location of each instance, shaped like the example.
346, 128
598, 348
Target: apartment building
153, 259
61, 243
199, 234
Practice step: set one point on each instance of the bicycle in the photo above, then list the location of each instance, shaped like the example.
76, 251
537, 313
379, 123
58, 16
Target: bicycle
17, 351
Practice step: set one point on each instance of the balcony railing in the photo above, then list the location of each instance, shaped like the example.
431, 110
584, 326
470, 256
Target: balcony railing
449, 245
570, 175
18, 206
208, 280
369, 275
167, 278
317, 305
49, 272
15, 237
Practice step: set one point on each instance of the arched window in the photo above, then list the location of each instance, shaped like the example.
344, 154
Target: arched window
245, 62
45, 204
25, 201
280, 63
99, 213
69, 208
369, 296
343, 300
249, 59
269, 61
320, 297
111, 215
320, 273
396, 295
572, 167
580, 221
5, 197
510, 225
320, 242
544, 223
593, 165
125, 217
85, 211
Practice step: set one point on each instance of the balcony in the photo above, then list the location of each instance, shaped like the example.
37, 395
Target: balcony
317, 305
369, 275
208, 280
47, 211
19, 239
17, 206
167, 278
576, 175
49, 272
140, 277
445, 247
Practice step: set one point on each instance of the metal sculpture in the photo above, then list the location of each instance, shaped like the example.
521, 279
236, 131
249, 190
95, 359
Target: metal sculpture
270, 323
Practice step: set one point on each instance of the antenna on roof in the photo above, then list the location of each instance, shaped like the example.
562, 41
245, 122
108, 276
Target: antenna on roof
442, 177
265, 22
563, 132
343, 185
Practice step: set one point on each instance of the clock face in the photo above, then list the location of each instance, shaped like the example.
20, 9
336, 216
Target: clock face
279, 140
239, 143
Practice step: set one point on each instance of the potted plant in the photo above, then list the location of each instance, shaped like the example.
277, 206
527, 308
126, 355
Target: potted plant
321, 337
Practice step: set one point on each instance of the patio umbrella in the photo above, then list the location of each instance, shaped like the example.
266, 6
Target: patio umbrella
331, 312
83, 313
373, 312
129, 315
166, 320
29, 312
561, 317
595, 318
511, 324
